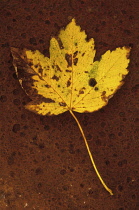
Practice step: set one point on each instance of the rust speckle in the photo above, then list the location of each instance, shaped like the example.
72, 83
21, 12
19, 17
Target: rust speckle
58, 68
75, 54
68, 58
75, 61
55, 78
96, 88
67, 70
81, 92
68, 83
47, 86
104, 97
60, 43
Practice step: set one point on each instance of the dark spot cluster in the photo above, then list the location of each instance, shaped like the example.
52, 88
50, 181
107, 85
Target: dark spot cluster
81, 91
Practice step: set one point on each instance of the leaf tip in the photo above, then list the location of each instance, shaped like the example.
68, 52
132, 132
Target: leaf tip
128, 49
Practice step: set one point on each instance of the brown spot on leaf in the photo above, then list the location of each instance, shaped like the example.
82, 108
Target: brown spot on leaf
67, 70
58, 68
85, 71
92, 82
96, 88
40, 70
60, 43
103, 93
55, 78
75, 54
47, 86
62, 104
104, 97
68, 83
68, 58
81, 92
36, 66
83, 54
75, 61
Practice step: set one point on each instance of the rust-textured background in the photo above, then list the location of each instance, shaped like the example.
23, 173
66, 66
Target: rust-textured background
43, 160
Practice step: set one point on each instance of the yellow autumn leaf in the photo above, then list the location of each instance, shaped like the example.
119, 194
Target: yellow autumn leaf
70, 80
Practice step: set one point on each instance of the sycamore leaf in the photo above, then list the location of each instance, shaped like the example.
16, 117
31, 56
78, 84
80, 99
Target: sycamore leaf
70, 80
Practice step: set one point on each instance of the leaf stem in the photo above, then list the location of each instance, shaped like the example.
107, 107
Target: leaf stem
90, 155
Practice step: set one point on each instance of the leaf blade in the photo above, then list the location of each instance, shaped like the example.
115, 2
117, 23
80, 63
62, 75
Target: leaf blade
70, 77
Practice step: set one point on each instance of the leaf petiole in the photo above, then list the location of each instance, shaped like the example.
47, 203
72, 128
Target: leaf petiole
90, 155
